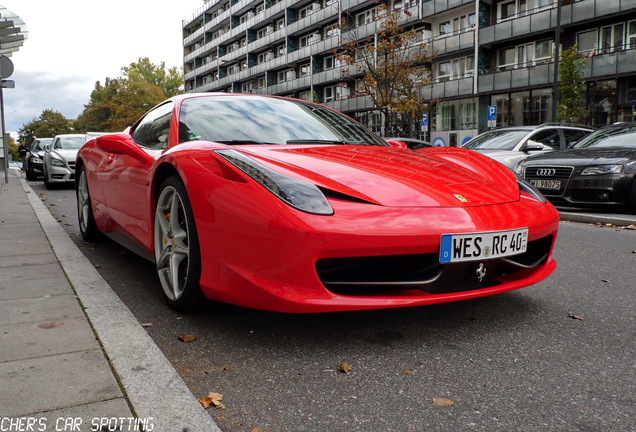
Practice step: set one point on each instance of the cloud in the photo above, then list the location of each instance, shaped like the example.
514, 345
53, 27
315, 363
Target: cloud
36, 91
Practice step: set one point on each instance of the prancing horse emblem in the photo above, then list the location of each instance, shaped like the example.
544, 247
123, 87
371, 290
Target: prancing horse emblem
481, 272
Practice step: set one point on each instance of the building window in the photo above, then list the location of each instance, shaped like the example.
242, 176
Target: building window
507, 10
329, 62
331, 30
444, 71
506, 58
280, 24
261, 82
468, 114
587, 41
543, 50
305, 95
304, 70
366, 17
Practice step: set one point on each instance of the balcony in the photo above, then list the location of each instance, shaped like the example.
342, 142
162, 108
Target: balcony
450, 88
454, 42
611, 64
313, 49
545, 19
432, 7
521, 26
539, 75
313, 19
352, 104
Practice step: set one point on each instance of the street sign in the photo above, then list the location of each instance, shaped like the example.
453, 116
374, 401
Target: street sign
7, 84
492, 116
425, 122
6, 67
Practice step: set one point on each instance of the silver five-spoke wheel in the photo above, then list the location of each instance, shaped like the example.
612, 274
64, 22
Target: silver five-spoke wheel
176, 246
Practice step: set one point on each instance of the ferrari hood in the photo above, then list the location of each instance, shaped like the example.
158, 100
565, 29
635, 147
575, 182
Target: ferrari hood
434, 177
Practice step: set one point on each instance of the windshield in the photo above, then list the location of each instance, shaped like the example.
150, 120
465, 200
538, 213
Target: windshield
39, 144
497, 140
69, 143
620, 136
268, 120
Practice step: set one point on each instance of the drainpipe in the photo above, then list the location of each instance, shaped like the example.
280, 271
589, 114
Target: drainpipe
555, 80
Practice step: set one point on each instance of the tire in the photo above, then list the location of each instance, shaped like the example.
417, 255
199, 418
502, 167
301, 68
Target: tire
177, 252
631, 199
47, 184
30, 175
87, 226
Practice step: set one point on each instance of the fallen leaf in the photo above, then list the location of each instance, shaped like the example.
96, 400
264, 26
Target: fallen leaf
52, 204
212, 399
257, 429
146, 324
407, 371
187, 337
346, 368
631, 227
576, 317
227, 368
443, 402
605, 280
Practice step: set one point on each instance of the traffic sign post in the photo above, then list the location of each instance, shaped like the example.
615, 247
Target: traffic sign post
492, 116
425, 125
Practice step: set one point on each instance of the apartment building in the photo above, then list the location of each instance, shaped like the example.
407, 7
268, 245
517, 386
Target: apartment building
488, 53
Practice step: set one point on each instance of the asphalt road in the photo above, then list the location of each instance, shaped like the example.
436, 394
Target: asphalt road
558, 356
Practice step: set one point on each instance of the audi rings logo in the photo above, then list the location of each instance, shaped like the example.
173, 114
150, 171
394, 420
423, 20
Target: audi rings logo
546, 172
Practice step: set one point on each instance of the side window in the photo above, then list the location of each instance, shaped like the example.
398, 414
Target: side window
58, 144
154, 129
572, 136
549, 138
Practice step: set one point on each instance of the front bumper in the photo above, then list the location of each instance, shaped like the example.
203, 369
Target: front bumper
287, 264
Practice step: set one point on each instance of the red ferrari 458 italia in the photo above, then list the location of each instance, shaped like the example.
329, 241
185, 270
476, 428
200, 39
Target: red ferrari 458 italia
285, 205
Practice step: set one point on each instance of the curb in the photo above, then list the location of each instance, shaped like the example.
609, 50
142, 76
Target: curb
151, 384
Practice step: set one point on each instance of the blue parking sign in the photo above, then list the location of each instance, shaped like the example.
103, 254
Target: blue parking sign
492, 112
425, 120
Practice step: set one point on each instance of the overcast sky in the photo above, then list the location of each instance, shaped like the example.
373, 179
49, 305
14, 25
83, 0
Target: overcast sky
71, 44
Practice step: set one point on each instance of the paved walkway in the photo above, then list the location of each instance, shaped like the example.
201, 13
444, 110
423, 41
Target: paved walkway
72, 356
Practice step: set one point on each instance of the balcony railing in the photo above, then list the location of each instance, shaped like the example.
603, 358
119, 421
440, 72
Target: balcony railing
432, 7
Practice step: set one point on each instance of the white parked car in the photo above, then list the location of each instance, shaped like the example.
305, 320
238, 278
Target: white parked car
59, 159
510, 145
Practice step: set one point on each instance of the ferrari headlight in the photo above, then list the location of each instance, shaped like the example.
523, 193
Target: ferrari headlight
603, 169
298, 193
525, 186
57, 162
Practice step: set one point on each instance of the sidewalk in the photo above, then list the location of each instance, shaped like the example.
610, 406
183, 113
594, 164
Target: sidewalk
72, 356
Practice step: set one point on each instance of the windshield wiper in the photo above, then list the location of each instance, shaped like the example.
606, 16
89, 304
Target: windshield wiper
315, 141
241, 141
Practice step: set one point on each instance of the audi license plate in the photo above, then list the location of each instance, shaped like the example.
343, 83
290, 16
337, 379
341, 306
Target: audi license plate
480, 246
547, 184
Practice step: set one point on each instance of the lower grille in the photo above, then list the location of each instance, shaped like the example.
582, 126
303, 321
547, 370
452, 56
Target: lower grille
386, 275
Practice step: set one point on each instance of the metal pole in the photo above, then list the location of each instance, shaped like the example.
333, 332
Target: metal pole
555, 80
5, 144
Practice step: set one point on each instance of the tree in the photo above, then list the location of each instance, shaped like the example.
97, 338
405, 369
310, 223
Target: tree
49, 124
119, 102
394, 68
12, 147
169, 81
571, 98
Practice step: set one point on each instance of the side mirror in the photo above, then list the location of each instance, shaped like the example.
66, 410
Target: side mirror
47, 148
121, 144
397, 144
533, 146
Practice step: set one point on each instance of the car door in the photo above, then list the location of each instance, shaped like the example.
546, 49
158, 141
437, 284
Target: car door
572, 136
125, 176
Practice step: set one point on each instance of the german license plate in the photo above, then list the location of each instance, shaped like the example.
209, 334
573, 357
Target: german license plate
480, 246
547, 184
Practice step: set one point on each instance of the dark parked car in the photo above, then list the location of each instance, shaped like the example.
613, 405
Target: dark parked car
33, 158
598, 171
